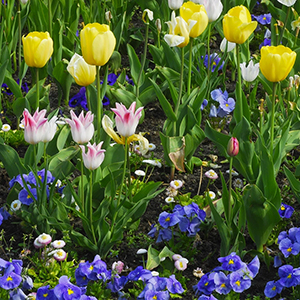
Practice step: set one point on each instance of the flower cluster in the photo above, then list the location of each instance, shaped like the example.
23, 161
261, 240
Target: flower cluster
187, 217
226, 104
232, 275
32, 182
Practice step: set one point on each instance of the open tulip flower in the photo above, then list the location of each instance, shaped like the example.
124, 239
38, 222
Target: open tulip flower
127, 119
83, 73
94, 156
190, 11
97, 43
82, 128
179, 31
276, 62
213, 8
37, 128
37, 48
250, 72
238, 24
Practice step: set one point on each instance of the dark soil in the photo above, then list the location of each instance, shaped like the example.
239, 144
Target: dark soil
208, 243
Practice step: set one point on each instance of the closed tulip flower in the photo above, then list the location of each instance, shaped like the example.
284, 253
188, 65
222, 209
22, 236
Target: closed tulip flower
175, 4
196, 12
97, 43
213, 8
238, 25
127, 119
94, 156
37, 48
83, 73
82, 128
233, 147
276, 62
250, 72
37, 128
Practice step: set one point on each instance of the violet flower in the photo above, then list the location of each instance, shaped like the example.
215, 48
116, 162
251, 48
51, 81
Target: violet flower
222, 283
65, 288
264, 19
288, 277
167, 220
231, 262
272, 289
285, 211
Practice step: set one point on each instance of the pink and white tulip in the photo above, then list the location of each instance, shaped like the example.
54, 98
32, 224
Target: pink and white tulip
37, 128
94, 156
82, 127
127, 119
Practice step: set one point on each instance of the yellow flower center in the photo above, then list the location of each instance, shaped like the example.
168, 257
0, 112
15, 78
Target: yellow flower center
274, 288
238, 283
45, 295
9, 278
70, 292
289, 276
231, 262
289, 249
223, 285
282, 207
167, 219
154, 297
91, 267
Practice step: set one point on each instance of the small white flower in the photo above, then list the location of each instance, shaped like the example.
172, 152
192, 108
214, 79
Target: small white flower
37, 244
155, 273
118, 266
233, 172
58, 183
21, 126
149, 14
152, 162
108, 16
139, 173
44, 239
15, 205
176, 256
230, 46
176, 184
163, 259
60, 255
169, 200
171, 192
215, 166
151, 147
5, 127
238, 183
198, 272
58, 244
141, 251
211, 174
181, 264
212, 195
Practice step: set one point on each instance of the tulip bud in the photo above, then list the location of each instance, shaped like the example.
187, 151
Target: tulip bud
158, 25
147, 16
108, 16
233, 147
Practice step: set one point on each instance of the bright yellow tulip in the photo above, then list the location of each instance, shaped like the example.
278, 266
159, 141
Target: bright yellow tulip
276, 62
83, 73
97, 43
196, 12
37, 48
238, 25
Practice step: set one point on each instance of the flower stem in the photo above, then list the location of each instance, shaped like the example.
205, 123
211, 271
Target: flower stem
99, 104
208, 51
82, 187
87, 98
143, 61
37, 89
239, 101
20, 41
272, 118
91, 207
284, 25
190, 67
50, 17
229, 196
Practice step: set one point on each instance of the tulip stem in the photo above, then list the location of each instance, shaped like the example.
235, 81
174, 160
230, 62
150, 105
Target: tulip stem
208, 51
37, 89
88, 98
99, 103
284, 25
50, 17
190, 67
142, 62
82, 185
91, 207
229, 195
272, 118
238, 112
20, 40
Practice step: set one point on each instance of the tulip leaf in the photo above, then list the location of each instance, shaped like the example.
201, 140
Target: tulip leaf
19, 105
165, 104
135, 67
294, 182
11, 161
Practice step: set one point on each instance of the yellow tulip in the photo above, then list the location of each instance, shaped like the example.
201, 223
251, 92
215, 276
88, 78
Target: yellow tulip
83, 73
37, 48
196, 12
276, 62
238, 25
97, 43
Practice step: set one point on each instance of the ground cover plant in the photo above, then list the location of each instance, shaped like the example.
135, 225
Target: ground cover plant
149, 149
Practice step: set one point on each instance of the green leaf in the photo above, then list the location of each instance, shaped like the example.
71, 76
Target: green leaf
294, 182
135, 67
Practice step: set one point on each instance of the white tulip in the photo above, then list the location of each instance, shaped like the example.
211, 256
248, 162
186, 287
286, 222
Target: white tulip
175, 4
230, 45
287, 3
250, 72
213, 8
